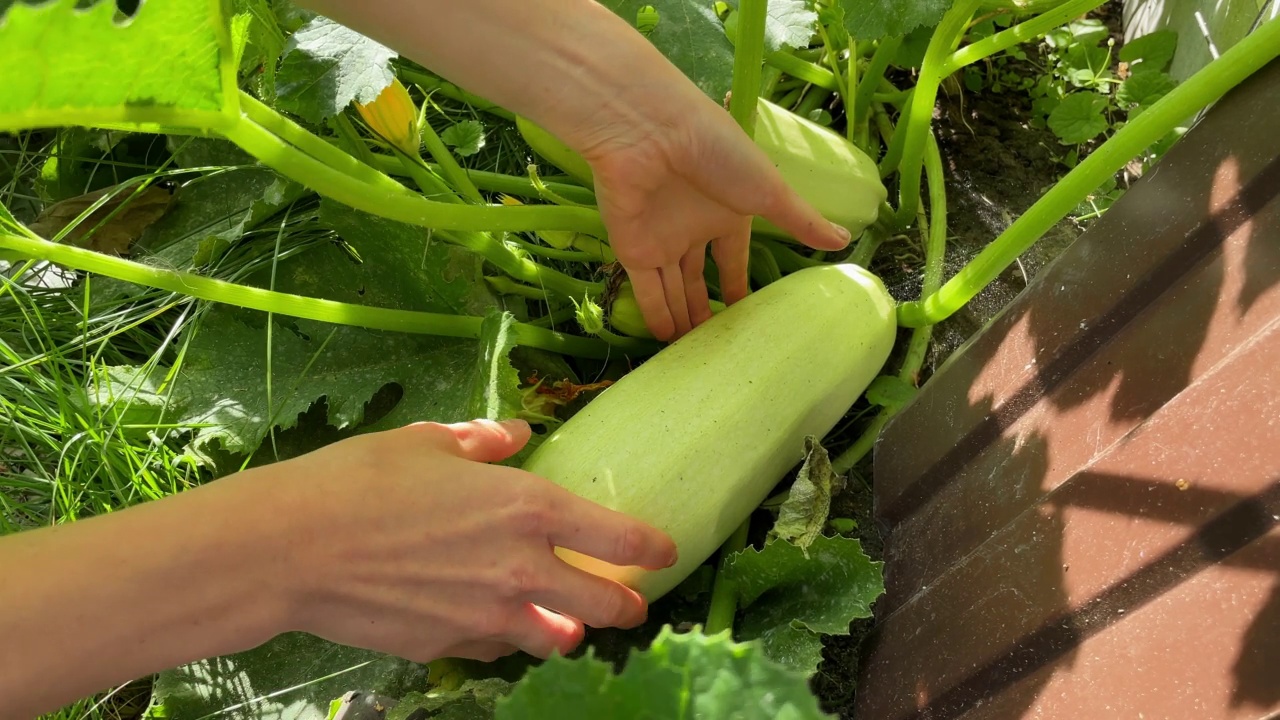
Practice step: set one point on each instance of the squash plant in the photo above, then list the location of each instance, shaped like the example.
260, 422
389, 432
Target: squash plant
448, 260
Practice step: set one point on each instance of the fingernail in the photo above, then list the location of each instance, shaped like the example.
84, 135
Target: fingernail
514, 424
843, 232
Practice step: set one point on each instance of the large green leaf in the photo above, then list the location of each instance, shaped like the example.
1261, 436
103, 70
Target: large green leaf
170, 63
293, 677
786, 594
224, 376
327, 66
687, 675
875, 19
691, 36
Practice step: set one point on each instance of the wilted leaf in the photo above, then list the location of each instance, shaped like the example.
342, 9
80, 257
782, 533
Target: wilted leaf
804, 513
133, 213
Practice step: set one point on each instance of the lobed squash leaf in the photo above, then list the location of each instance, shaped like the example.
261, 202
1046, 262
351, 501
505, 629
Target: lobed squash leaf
875, 19
61, 65
327, 66
784, 591
679, 675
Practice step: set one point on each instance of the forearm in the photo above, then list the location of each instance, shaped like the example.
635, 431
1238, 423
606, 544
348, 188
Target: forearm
571, 66
103, 601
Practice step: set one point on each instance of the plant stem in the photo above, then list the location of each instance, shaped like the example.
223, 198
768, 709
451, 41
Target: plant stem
915, 127
918, 345
803, 70
1022, 32
554, 253
516, 185
870, 82
254, 298
748, 56
449, 166
430, 82
385, 197
1203, 88
724, 594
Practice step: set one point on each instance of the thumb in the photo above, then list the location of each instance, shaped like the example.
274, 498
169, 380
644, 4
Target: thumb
484, 440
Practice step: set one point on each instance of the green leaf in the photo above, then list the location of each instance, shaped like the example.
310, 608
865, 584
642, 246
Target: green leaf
1153, 51
327, 66
1144, 89
804, 513
172, 62
691, 37
263, 43
1086, 64
790, 644
495, 387
1078, 118
789, 24
679, 676
224, 376
466, 137
782, 590
293, 677
891, 391
475, 700
875, 19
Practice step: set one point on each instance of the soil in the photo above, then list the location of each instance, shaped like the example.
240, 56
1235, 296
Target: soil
997, 165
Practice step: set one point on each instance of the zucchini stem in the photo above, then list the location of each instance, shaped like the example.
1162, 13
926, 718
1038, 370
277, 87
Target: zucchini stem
1200, 90
254, 298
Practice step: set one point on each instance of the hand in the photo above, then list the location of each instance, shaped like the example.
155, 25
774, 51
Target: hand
415, 547
667, 191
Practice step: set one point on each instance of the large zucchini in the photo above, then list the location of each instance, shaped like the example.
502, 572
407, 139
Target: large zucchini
696, 437
831, 173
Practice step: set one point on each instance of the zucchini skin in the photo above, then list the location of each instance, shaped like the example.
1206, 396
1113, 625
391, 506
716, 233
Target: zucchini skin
840, 180
693, 440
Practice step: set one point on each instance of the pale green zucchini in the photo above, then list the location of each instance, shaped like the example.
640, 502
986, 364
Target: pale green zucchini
829, 172
694, 439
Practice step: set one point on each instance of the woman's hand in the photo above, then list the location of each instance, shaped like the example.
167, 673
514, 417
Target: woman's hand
408, 544
674, 172
667, 191
405, 542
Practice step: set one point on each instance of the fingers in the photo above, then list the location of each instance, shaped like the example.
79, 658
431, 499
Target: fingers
541, 632
673, 282
652, 299
732, 254
801, 221
481, 650
735, 172
596, 601
594, 530
695, 286
479, 440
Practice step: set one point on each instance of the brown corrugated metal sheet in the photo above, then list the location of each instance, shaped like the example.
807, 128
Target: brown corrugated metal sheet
1084, 503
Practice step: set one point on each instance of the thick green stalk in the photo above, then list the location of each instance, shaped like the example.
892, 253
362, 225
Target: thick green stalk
748, 56
453, 92
253, 298
885, 52
803, 70
350, 138
1203, 88
326, 171
314, 146
431, 184
915, 127
724, 594
449, 166
519, 186
1020, 33
918, 346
